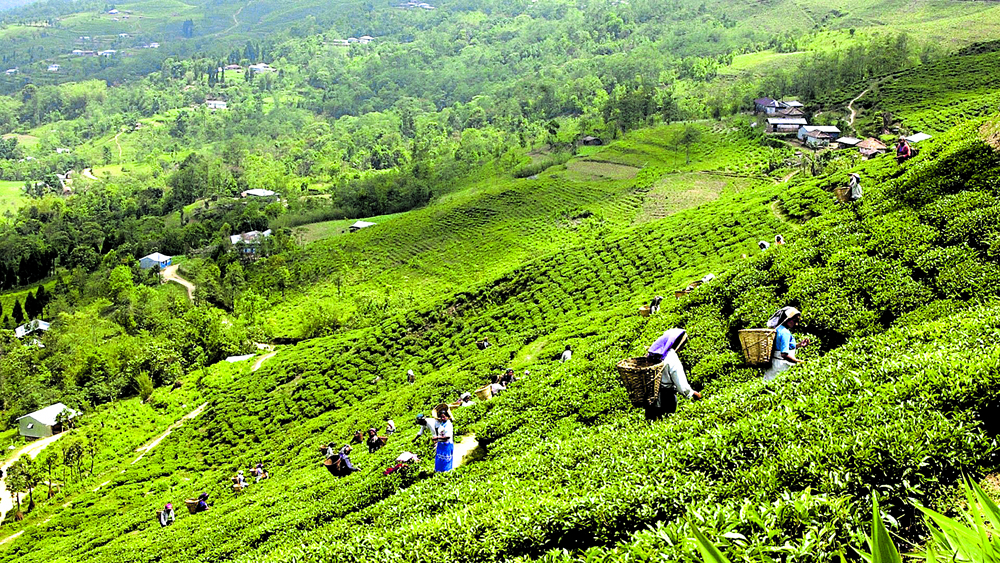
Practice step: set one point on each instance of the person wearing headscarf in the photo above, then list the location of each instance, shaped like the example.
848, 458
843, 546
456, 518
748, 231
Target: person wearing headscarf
785, 346
410, 376
567, 355
654, 305
167, 515
673, 380
203, 505
854, 191
444, 437
764, 245
464, 400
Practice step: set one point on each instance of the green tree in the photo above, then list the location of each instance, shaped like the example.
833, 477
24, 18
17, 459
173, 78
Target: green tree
686, 137
18, 312
49, 459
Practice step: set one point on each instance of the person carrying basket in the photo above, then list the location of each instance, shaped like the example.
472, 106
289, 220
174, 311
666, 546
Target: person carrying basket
783, 356
672, 377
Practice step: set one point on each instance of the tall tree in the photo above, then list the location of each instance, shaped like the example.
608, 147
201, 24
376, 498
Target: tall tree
18, 312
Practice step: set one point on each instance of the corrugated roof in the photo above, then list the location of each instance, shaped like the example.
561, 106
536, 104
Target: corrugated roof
786, 121
822, 128
47, 416
157, 257
916, 138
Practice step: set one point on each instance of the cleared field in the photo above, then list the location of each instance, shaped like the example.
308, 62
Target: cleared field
678, 192
23, 140
11, 195
330, 229
585, 170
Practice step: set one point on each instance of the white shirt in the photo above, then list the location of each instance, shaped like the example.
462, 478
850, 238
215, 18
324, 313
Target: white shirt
566, 355
496, 388
673, 372
444, 429
390, 426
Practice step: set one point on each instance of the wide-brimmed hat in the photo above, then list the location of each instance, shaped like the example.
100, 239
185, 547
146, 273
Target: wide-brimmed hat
443, 407
791, 313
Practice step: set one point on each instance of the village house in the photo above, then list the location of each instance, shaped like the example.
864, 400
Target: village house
871, 147
358, 225
53, 68
11, 71
816, 139
847, 142
154, 260
258, 192
784, 124
248, 242
830, 130
31, 327
45, 422
591, 141
107, 53
261, 68
233, 67
215, 104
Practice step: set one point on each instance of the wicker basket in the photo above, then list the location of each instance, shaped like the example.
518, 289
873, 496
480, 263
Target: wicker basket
843, 194
641, 378
757, 344
192, 505
644, 310
679, 294
484, 393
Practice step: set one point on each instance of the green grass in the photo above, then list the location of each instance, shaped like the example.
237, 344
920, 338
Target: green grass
11, 195
893, 291
329, 229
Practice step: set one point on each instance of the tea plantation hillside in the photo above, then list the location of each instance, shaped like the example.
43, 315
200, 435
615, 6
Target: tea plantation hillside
898, 398
932, 97
482, 232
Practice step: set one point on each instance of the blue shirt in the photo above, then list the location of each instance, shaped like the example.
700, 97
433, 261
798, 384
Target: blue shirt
784, 342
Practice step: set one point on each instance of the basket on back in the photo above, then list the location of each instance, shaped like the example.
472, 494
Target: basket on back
843, 194
484, 393
644, 310
641, 378
757, 344
192, 505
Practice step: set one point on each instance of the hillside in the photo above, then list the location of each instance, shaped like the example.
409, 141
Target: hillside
531, 172
892, 398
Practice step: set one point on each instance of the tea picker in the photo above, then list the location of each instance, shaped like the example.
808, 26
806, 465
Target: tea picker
783, 320
444, 438
653, 381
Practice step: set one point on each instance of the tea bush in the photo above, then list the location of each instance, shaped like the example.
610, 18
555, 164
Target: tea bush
898, 396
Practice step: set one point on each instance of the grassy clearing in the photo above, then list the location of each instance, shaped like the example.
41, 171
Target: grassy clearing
590, 170
678, 192
329, 229
11, 195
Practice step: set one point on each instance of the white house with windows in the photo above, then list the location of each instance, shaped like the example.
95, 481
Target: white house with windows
45, 422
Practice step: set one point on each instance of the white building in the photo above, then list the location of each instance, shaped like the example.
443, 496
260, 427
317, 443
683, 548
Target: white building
154, 259
53, 68
31, 327
215, 104
258, 192
43, 423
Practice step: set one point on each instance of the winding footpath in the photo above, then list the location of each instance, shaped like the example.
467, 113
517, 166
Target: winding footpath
32, 450
170, 274
156, 441
850, 106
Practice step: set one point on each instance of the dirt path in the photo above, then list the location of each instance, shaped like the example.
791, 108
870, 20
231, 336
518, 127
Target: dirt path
156, 441
11, 538
119, 145
89, 174
170, 274
262, 359
464, 448
236, 22
789, 177
850, 106
32, 450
